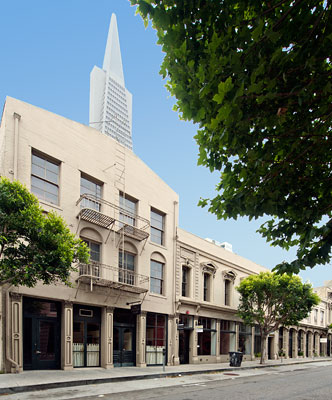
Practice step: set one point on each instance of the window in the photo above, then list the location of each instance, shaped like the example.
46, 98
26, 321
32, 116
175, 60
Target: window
92, 268
245, 338
227, 337
185, 281
126, 267
315, 316
90, 187
157, 227
228, 286
206, 286
257, 341
207, 339
155, 338
322, 317
156, 280
128, 210
45, 178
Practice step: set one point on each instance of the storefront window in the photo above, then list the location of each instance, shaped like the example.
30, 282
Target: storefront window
185, 321
257, 342
245, 338
227, 337
155, 338
208, 338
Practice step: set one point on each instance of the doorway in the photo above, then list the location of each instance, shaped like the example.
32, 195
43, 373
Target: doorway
124, 338
41, 334
184, 338
86, 336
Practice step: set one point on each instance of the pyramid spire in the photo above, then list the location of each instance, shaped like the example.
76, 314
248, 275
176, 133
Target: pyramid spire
112, 58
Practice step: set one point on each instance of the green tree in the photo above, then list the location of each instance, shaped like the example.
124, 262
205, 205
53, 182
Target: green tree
257, 78
271, 300
34, 246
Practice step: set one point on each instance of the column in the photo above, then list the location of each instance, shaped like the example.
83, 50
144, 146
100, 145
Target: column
311, 344
194, 342
295, 343
141, 340
107, 337
67, 336
16, 329
171, 333
218, 341
176, 341
286, 342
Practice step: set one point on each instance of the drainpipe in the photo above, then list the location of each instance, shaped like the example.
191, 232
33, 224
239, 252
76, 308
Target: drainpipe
17, 118
8, 358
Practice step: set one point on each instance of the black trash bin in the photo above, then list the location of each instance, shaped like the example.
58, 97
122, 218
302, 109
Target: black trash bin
235, 358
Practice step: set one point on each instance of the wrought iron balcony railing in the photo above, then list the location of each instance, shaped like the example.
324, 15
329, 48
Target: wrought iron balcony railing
112, 277
110, 216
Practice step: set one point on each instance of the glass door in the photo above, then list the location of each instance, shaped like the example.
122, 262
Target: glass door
123, 347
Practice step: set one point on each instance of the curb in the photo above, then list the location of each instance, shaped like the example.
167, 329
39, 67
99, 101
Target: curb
83, 382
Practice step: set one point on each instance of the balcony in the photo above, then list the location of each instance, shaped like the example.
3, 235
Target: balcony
110, 216
112, 277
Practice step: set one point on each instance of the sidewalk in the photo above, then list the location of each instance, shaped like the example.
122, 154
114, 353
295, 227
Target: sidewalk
49, 379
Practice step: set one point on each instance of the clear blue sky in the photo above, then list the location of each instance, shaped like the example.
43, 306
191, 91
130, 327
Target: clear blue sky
47, 51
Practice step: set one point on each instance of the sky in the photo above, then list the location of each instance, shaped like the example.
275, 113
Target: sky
48, 49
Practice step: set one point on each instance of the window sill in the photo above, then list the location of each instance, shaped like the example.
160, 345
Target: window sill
158, 245
160, 296
44, 203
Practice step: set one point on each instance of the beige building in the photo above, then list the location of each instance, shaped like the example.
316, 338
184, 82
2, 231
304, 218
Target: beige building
150, 288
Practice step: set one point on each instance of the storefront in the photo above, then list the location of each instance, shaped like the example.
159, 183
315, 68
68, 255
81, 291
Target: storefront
227, 337
156, 338
207, 339
185, 329
245, 338
124, 338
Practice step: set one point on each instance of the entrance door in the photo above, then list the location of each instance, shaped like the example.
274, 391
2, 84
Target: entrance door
290, 344
184, 336
269, 347
41, 334
123, 348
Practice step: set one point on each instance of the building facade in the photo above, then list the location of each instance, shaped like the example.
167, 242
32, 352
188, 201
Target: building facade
151, 290
110, 101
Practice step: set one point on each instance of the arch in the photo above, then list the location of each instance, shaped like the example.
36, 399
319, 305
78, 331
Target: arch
129, 247
91, 234
156, 256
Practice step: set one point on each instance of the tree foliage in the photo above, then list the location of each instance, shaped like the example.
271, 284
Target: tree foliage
34, 246
257, 78
271, 300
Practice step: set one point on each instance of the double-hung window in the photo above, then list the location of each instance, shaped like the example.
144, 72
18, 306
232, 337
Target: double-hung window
92, 268
45, 178
126, 267
157, 277
90, 187
128, 209
157, 227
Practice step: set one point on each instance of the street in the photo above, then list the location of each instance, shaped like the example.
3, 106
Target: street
301, 382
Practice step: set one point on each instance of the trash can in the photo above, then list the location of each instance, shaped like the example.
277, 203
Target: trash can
235, 358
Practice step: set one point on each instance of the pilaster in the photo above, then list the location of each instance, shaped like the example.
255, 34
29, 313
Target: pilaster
67, 336
141, 340
107, 337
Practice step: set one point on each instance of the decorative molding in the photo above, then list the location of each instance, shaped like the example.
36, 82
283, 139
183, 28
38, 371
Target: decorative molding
68, 304
16, 296
229, 275
209, 267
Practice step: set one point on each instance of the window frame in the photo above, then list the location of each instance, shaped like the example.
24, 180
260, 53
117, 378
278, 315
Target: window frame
34, 175
207, 286
157, 279
126, 275
185, 283
155, 228
127, 216
95, 205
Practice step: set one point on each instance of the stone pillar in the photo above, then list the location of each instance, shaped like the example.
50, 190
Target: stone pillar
16, 329
170, 351
194, 342
286, 342
67, 336
176, 341
141, 340
311, 344
218, 341
107, 337
295, 343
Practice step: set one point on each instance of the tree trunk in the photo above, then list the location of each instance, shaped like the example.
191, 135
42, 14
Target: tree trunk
263, 348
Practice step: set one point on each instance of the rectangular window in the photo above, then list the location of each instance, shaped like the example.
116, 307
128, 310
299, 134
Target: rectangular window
322, 317
206, 286
157, 227
227, 292
185, 281
245, 338
45, 178
92, 188
207, 339
315, 316
128, 209
156, 280
126, 267
257, 342
227, 337
92, 269
155, 338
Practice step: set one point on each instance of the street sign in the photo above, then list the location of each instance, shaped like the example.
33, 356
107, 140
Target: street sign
199, 328
323, 340
135, 309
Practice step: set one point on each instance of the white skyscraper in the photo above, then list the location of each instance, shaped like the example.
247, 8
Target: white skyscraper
110, 101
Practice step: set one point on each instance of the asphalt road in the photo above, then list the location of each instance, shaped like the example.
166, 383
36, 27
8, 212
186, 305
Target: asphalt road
301, 382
